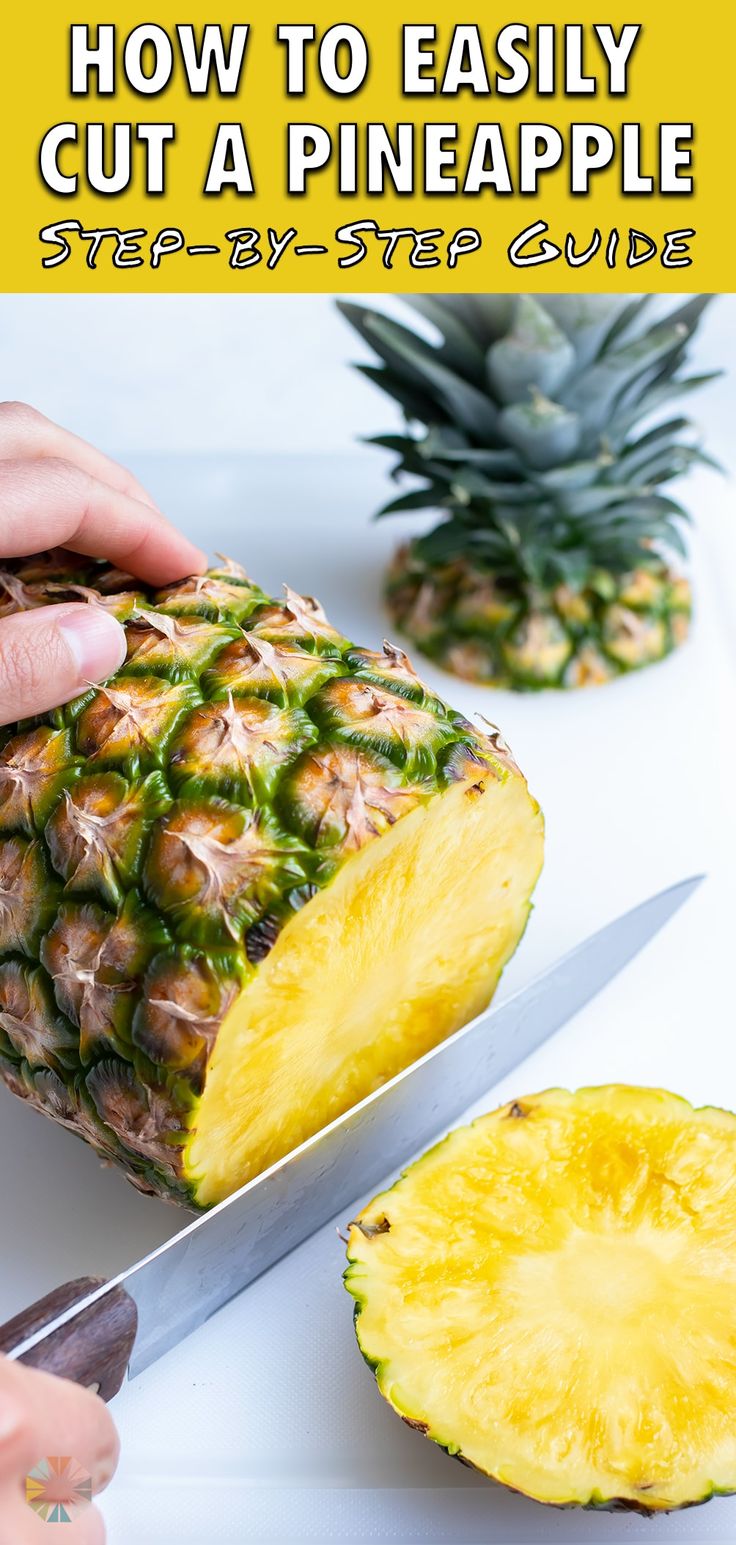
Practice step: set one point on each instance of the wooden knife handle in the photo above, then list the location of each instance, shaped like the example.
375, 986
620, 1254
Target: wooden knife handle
93, 1349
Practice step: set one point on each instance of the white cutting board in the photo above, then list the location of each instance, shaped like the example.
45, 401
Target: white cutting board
265, 1426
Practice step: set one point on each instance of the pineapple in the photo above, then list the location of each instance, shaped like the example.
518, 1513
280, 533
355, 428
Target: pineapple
552, 564
243, 882
550, 1295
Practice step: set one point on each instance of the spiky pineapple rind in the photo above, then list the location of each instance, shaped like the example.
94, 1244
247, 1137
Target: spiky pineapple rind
157, 833
505, 634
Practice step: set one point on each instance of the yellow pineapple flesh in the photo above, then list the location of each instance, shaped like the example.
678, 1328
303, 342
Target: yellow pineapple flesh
550, 1295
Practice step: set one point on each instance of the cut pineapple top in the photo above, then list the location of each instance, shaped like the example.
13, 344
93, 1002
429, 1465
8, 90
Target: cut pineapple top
540, 429
550, 1294
206, 952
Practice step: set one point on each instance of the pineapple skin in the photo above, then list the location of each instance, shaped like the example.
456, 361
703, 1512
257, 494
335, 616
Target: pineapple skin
159, 832
531, 1286
501, 633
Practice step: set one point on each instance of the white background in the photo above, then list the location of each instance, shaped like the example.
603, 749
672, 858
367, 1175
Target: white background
190, 372
215, 373
265, 1426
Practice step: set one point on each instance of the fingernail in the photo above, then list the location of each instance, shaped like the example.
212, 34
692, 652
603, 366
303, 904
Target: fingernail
96, 640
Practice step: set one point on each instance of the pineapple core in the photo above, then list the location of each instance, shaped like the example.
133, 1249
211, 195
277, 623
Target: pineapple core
404, 946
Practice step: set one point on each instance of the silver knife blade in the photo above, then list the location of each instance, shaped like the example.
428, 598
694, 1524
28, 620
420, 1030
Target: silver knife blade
186, 1280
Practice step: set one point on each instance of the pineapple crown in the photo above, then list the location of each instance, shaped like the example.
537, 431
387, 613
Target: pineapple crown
525, 422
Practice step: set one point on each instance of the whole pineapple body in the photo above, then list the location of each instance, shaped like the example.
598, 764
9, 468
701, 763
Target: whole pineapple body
538, 426
244, 881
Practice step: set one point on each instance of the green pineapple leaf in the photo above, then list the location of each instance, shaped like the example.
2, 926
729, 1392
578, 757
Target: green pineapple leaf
543, 430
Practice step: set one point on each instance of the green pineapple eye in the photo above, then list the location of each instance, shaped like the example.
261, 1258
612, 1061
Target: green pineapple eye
95, 835
146, 1114
220, 595
31, 1026
341, 797
95, 959
239, 746
632, 638
297, 620
379, 720
28, 895
287, 674
186, 995
212, 867
34, 768
172, 646
391, 668
538, 649
132, 720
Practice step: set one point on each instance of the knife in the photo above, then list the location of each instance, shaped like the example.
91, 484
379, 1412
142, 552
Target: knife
94, 1331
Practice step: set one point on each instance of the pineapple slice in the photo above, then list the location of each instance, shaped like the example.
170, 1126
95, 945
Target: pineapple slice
244, 882
550, 1295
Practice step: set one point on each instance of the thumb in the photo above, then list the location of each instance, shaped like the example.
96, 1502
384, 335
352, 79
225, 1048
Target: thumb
50, 654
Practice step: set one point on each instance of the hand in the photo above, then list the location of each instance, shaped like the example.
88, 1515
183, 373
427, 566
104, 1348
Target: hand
41, 1416
57, 491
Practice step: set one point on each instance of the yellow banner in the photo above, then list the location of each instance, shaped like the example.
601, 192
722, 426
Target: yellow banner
380, 148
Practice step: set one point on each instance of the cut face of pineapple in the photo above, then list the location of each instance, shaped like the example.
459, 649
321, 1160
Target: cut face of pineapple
404, 946
245, 881
550, 1295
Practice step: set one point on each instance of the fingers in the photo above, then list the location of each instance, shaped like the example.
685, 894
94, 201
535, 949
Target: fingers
87, 1529
20, 1526
50, 655
24, 432
41, 1415
53, 503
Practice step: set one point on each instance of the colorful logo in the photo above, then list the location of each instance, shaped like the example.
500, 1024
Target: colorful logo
57, 1489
